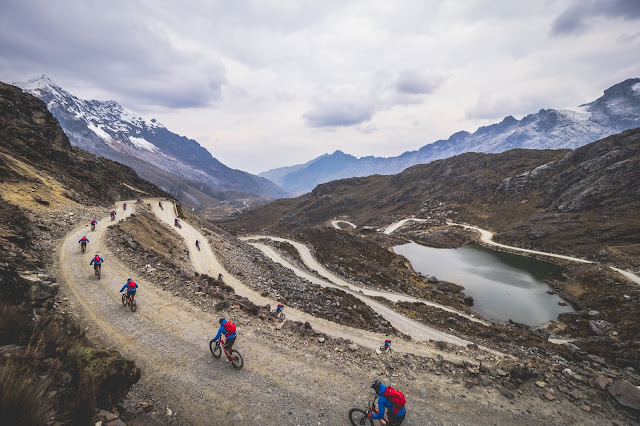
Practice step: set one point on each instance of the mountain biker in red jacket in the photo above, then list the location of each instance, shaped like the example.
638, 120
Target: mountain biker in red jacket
131, 287
386, 395
229, 330
96, 261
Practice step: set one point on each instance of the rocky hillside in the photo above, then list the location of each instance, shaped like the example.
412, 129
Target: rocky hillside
49, 371
175, 163
583, 201
617, 110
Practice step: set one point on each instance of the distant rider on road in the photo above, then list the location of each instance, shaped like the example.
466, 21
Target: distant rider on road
83, 242
96, 261
131, 287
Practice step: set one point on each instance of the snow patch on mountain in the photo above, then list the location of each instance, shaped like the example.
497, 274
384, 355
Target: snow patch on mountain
143, 143
636, 88
98, 131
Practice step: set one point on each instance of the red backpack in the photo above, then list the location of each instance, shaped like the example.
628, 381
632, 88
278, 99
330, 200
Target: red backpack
396, 398
230, 328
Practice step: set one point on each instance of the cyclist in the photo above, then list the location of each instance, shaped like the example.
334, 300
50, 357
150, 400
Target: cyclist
198, 244
279, 308
83, 243
113, 214
93, 224
139, 200
96, 262
387, 343
124, 206
131, 287
160, 204
229, 330
176, 221
391, 400
219, 277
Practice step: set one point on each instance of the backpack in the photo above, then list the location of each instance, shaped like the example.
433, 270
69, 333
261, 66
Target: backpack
131, 285
97, 259
396, 398
230, 328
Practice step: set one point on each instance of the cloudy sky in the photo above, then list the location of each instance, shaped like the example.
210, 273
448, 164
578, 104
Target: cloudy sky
264, 84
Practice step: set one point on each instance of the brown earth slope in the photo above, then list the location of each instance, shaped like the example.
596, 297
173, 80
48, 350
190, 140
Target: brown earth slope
49, 371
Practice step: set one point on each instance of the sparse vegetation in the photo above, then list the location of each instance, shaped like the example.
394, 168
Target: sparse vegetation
24, 395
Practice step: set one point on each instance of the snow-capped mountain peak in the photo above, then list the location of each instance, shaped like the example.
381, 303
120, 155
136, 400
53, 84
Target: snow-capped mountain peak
108, 129
617, 110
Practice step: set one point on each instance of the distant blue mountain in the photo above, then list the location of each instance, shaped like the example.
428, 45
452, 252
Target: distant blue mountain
617, 110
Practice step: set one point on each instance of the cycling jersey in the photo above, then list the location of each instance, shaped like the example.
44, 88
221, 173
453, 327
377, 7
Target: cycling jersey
228, 328
131, 286
384, 403
97, 260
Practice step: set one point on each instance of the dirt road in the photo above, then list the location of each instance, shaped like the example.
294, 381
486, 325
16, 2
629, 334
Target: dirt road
313, 264
205, 262
487, 238
287, 383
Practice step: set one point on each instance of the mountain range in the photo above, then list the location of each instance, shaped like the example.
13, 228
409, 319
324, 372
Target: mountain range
617, 110
178, 165
583, 201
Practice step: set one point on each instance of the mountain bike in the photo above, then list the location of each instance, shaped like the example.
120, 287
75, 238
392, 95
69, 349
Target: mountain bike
280, 315
359, 417
83, 247
93, 226
384, 349
97, 269
216, 351
130, 301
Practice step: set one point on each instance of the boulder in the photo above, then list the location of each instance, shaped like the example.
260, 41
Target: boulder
601, 327
626, 394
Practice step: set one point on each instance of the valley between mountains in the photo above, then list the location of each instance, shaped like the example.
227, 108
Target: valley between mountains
292, 374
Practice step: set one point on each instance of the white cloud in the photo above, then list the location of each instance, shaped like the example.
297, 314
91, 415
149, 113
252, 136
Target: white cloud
264, 84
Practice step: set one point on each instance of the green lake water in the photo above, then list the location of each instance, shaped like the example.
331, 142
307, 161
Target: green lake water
503, 285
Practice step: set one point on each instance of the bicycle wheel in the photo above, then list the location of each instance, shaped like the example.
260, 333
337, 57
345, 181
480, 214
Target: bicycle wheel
358, 417
124, 300
236, 359
282, 317
215, 348
134, 305
99, 272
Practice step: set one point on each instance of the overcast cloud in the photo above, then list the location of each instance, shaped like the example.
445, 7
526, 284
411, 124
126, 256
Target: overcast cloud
265, 84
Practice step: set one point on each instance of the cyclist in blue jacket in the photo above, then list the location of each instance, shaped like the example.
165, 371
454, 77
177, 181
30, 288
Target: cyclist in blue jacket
391, 400
131, 287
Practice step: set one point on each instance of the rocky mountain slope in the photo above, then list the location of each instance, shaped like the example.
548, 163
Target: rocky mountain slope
175, 163
617, 110
49, 371
582, 201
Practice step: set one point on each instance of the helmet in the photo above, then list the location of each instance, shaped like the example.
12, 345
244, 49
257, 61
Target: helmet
129, 280
376, 386
222, 320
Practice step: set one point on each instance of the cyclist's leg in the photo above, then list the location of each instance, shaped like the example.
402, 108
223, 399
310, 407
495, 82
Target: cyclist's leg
228, 345
395, 421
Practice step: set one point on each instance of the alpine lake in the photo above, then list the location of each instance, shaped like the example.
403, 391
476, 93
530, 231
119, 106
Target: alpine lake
503, 285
